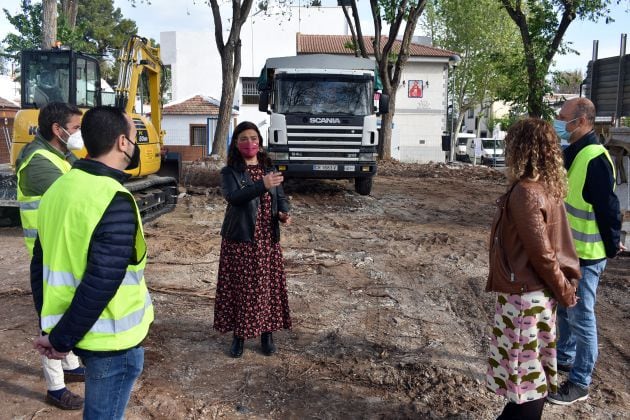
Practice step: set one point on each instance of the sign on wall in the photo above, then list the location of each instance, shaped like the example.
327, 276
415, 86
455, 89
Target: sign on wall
415, 88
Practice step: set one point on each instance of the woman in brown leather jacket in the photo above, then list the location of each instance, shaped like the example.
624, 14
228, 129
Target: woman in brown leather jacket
533, 266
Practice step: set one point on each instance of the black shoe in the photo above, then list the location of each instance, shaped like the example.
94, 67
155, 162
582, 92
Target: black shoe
67, 401
564, 368
266, 340
237, 347
568, 394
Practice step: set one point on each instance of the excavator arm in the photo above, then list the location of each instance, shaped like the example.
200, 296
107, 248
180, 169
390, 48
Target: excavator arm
155, 190
137, 58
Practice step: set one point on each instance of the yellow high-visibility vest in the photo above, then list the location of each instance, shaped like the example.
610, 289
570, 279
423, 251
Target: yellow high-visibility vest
586, 237
30, 203
70, 211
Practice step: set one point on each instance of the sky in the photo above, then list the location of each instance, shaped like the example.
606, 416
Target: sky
195, 15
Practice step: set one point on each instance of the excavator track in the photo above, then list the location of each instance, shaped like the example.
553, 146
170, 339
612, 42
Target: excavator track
9, 206
155, 195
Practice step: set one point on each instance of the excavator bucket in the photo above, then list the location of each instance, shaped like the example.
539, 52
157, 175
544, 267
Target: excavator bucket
171, 165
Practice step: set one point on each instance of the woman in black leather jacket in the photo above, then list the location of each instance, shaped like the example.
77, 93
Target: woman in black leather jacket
251, 298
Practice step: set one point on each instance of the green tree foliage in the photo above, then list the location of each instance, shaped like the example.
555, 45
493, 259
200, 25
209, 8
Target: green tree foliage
100, 29
483, 36
567, 81
28, 24
4, 62
542, 25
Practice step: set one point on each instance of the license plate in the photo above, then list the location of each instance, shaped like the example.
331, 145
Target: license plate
325, 167
348, 168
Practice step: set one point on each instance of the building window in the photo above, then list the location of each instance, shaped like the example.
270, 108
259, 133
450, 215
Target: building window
198, 135
250, 90
471, 113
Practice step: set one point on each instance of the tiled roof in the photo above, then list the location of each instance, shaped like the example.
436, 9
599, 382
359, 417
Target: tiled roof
5, 103
197, 105
336, 44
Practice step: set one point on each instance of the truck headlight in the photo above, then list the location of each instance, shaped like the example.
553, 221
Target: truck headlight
278, 156
367, 157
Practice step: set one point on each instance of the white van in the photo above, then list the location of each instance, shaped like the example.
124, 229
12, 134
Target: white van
462, 146
491, 151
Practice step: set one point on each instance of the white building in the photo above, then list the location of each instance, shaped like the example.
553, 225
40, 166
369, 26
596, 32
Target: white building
475, 121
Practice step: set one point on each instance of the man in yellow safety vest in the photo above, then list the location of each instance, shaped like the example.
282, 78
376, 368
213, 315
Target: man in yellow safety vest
39, 164
88, 265
595, 219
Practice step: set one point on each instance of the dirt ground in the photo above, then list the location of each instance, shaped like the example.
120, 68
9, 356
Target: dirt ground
386, 292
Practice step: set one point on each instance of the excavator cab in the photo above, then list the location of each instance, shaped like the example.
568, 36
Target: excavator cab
59, 75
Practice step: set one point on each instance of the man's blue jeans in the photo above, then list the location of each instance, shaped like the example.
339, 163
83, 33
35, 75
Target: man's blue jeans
577, 328
108, 382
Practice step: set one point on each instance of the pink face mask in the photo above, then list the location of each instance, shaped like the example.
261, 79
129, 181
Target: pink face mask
248, 149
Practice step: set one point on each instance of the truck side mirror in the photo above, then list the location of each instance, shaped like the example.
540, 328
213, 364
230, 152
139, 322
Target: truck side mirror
383, 104
263, 101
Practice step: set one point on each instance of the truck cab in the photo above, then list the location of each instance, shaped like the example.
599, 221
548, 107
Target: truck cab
323, 120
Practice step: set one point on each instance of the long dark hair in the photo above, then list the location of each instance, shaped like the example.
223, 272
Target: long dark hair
234, 158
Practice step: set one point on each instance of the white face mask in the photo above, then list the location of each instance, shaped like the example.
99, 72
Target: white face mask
74, 141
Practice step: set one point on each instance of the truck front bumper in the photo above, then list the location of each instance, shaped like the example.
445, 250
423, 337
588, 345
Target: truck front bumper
329, 170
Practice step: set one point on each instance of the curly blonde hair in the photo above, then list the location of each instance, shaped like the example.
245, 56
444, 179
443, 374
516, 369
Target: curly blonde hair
532, 151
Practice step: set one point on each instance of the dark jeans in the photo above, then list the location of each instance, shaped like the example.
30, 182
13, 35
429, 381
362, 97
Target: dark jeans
109, 379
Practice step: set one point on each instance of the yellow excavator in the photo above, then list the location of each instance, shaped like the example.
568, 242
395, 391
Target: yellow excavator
64, 75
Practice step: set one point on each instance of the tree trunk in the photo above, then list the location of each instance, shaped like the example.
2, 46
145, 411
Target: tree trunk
69, 9
386, 128
219, 143
230, 52
535, 96
49, 24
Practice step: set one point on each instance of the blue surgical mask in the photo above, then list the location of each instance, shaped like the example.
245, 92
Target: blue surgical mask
561, 128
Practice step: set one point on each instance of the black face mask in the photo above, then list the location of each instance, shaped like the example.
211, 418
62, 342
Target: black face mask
134, 160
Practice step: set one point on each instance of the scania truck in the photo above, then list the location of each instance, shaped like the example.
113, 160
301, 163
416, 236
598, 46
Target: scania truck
324, 116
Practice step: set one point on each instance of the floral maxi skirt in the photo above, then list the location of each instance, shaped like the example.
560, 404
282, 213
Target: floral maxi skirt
522, 364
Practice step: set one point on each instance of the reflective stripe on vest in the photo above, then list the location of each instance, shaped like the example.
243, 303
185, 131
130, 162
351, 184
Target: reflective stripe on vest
56, 278
107, 326
70, 212
29, 204
586, 237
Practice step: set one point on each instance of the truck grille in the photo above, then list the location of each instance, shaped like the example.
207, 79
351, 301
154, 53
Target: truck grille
339, 143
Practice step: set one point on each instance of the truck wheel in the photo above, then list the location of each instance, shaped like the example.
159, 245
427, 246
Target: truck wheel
363, 185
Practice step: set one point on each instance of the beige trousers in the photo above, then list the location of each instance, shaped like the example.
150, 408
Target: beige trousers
53, 370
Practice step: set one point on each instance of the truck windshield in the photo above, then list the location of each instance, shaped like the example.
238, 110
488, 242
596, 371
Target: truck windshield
323, 96
492, 144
